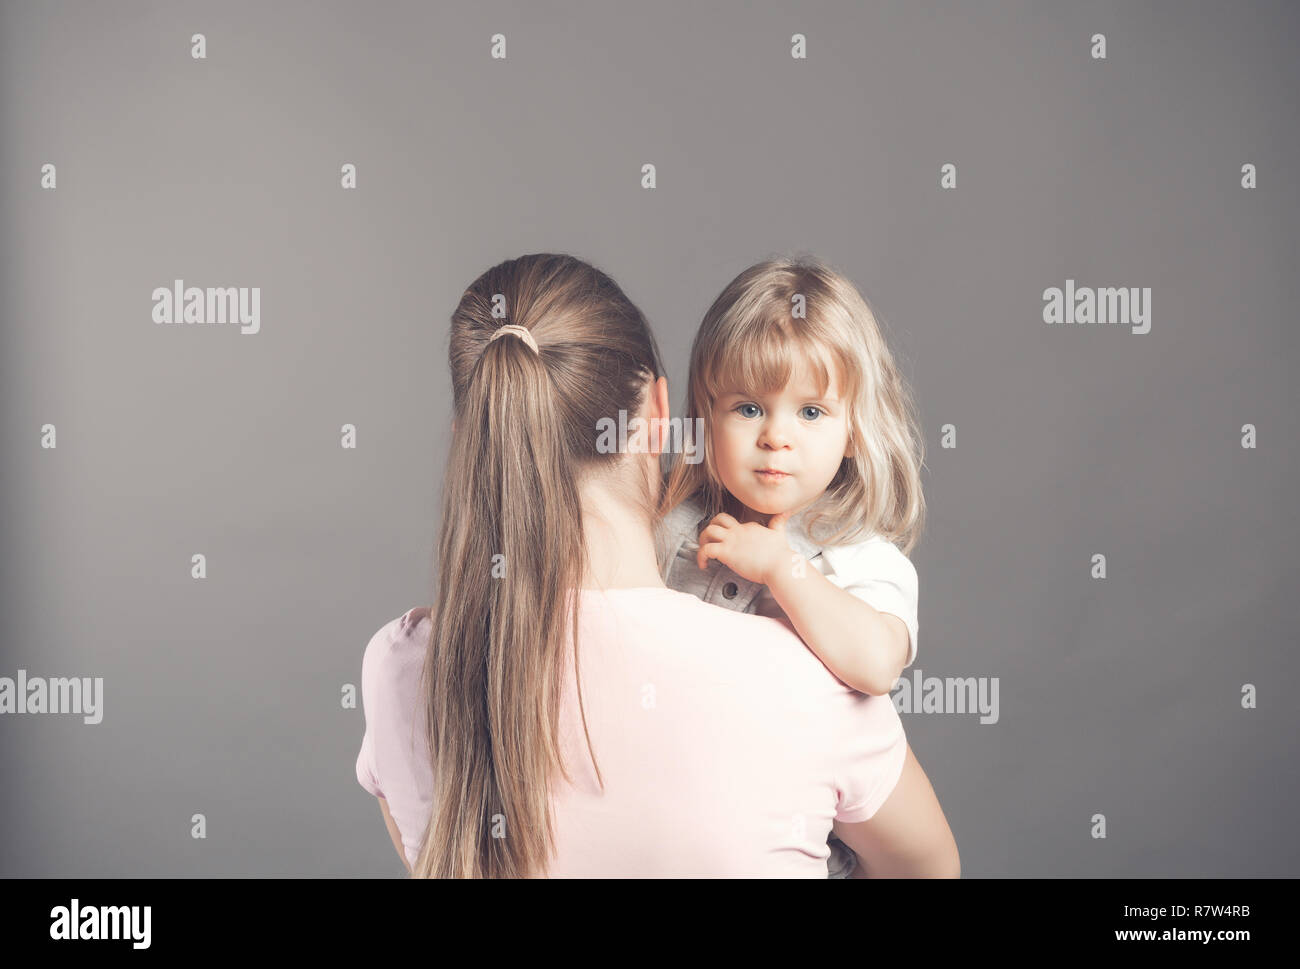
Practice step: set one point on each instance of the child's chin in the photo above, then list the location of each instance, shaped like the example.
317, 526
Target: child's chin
770, 508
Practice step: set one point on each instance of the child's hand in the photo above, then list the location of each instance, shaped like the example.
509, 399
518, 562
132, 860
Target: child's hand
750, 550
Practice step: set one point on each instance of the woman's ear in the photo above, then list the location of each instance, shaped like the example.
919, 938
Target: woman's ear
659, 410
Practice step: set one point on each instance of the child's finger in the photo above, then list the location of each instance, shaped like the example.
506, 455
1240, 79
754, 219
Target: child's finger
701, 557
712, 533
725, 520
777, 522
709, 551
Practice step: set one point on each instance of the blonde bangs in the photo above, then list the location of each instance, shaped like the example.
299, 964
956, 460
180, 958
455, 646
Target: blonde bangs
762, 356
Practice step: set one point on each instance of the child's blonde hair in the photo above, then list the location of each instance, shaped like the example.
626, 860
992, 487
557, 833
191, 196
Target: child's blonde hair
749, 339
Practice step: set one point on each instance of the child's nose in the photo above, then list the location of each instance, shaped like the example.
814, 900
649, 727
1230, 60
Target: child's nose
774, 436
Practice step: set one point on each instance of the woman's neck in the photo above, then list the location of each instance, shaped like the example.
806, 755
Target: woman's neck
620, 545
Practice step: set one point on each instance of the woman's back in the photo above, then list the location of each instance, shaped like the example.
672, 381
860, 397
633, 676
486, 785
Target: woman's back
726, 747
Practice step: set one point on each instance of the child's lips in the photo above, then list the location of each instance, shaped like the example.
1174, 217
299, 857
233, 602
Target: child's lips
772, 475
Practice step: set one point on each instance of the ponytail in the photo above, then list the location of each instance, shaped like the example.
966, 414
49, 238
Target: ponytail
511, 554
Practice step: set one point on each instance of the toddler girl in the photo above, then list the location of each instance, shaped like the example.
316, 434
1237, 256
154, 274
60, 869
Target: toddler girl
811, 472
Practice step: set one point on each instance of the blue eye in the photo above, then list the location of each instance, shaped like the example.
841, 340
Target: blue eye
816, 412
741, 407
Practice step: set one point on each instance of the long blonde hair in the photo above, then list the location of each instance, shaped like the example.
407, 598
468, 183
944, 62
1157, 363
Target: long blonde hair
511, 553
751, 338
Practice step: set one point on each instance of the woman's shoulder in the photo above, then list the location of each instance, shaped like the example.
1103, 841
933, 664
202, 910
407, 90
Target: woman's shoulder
683, 620
402, 631
411, 620
397, 647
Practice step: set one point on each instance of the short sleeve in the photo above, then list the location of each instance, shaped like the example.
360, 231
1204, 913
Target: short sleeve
871, 747
876, 572
366, 765
393, 762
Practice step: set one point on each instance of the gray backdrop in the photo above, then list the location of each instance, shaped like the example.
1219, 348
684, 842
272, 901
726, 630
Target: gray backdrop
1119, 696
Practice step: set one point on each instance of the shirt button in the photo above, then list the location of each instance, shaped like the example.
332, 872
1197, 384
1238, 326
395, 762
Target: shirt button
730, 589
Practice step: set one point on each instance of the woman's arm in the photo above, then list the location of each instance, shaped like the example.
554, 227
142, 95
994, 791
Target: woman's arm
395, 834
908, 837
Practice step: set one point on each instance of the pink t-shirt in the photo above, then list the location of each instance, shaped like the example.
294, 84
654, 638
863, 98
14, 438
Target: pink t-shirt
726, 746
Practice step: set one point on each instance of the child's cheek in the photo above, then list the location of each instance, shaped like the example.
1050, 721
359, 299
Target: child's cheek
718, 452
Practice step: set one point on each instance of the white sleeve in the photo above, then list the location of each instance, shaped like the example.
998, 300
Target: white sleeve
880, 575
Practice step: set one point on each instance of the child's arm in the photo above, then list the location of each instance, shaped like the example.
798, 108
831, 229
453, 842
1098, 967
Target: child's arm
865, 648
